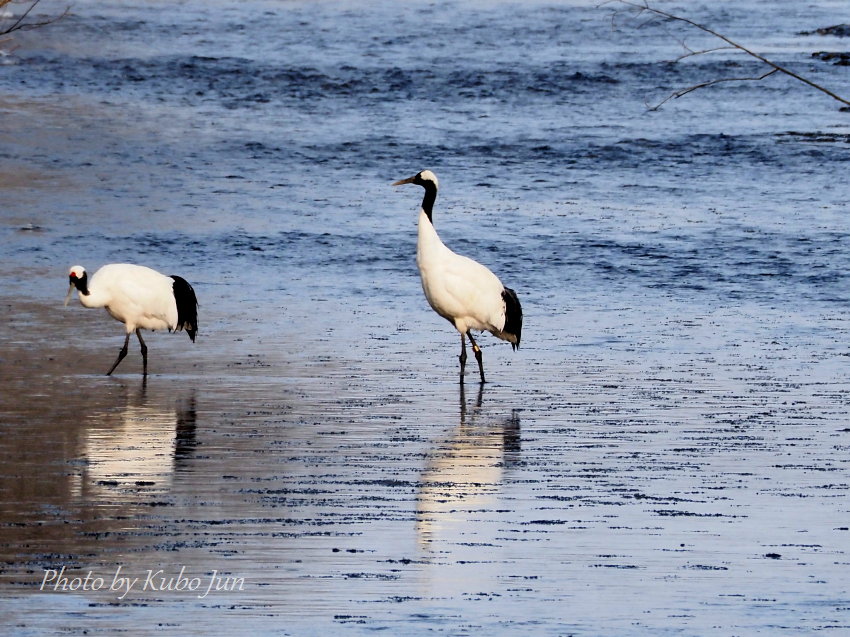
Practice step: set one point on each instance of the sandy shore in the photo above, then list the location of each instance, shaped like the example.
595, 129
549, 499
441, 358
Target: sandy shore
348, 494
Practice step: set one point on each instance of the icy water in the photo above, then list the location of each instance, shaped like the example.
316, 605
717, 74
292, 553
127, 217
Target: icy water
667, 453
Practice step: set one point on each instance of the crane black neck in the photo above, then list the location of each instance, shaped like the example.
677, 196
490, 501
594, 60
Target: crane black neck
429, 198
81, 283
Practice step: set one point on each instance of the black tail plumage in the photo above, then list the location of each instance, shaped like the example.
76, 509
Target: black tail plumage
513, 315
187, 306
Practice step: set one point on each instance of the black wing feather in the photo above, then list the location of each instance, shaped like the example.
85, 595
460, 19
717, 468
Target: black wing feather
513, 315
187, 306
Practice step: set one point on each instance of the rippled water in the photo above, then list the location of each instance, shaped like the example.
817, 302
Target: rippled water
667, 453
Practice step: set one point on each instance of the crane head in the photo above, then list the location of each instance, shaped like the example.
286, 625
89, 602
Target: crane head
77, 279
420, 179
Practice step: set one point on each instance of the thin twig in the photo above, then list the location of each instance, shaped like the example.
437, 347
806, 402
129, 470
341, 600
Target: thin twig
20, 25
644, 6
35, 25
691, 52
17, 24
687, 90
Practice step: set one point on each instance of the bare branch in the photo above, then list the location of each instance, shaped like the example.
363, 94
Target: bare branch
691, 52
642, 7
685, 91
20, 23
17, 24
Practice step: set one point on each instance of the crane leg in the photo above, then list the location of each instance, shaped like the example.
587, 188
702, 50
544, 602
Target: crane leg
478, 356
462, 356
121, 356
144, 353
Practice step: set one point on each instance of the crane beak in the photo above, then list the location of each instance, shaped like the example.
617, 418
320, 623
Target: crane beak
401, 182
68, 296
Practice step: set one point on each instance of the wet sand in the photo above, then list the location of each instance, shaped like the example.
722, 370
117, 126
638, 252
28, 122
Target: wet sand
693, 495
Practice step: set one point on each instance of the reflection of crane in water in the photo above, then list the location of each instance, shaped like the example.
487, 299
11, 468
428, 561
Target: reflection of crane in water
133, 454
463, 479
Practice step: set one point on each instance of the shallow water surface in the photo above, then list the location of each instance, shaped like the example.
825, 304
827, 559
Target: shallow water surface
667, 453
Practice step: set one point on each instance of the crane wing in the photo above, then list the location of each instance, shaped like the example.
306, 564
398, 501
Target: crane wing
466, 293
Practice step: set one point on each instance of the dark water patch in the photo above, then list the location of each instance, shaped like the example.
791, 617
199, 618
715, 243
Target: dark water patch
692, 514
824, 137
699, 150
836, 30
838, 58
729, 261
296, 249
245, 82
675, 155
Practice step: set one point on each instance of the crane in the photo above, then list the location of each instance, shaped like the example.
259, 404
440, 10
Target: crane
139, 297
461, 290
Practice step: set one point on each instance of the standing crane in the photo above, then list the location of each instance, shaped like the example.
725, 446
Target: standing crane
461, 290
139, 297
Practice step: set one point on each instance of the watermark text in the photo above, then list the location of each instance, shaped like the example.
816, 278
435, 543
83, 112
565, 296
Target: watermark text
61, 580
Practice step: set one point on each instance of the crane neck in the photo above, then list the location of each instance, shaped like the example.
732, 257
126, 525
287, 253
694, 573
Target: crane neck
89, 298
82, 284
429, 198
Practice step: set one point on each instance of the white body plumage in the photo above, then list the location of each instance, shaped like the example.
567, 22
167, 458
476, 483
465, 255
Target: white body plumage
138, 296
459, 289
